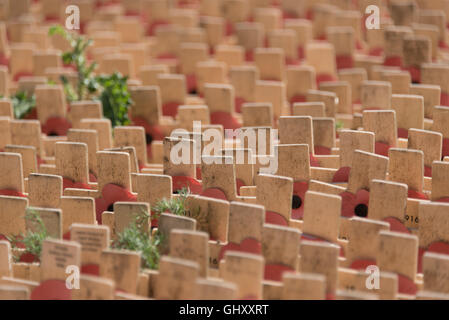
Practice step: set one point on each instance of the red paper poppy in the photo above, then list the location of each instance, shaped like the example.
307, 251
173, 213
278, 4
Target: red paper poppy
342, 175
275, 218
406, 285
354, 204
90, 269
56, 126
18, 244
28, 258
180, 182
191, 82
68, 183
396, 225
301, 54
40, 161
415, 73
11, 193
322, 151
22, 74
4, 60
444, 99
170, 109
111, 193
92, 177
239, 183
248, 245
151, 30
167, 57
382, 148
376, 52
132, 13
345, 62
443, 45
310, 14
225, 119
229, 28
66, 236
445, 151
289, 15
403, 133
314, 161
417, 195
198, 173
100, 4
69, 66
445, 199
274, 272
292, 61
362, 264
393, 61
299, 193
439, 247
249, 56
214, 193
154, 222
32, 115
428, 171
330, 296
51, 290
154, 130
239, 101
324, 78
299, 98
52, 18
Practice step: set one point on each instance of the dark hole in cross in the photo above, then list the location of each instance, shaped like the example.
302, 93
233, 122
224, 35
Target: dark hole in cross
361, 210
149, 138
111, 207
296, 202
52, 134
176, 192
193, 91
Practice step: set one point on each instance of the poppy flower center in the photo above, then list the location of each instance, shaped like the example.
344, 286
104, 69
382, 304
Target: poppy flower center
148, 138
361, 210
296, 202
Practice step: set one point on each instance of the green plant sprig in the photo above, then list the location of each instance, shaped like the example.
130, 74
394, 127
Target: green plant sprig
77, 57
115, 98
137, 237
111, 90
34, 237
22, 104
339, 125
177, 206
174, 205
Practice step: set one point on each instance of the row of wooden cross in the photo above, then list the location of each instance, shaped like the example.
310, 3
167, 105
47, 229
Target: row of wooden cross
362, 151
